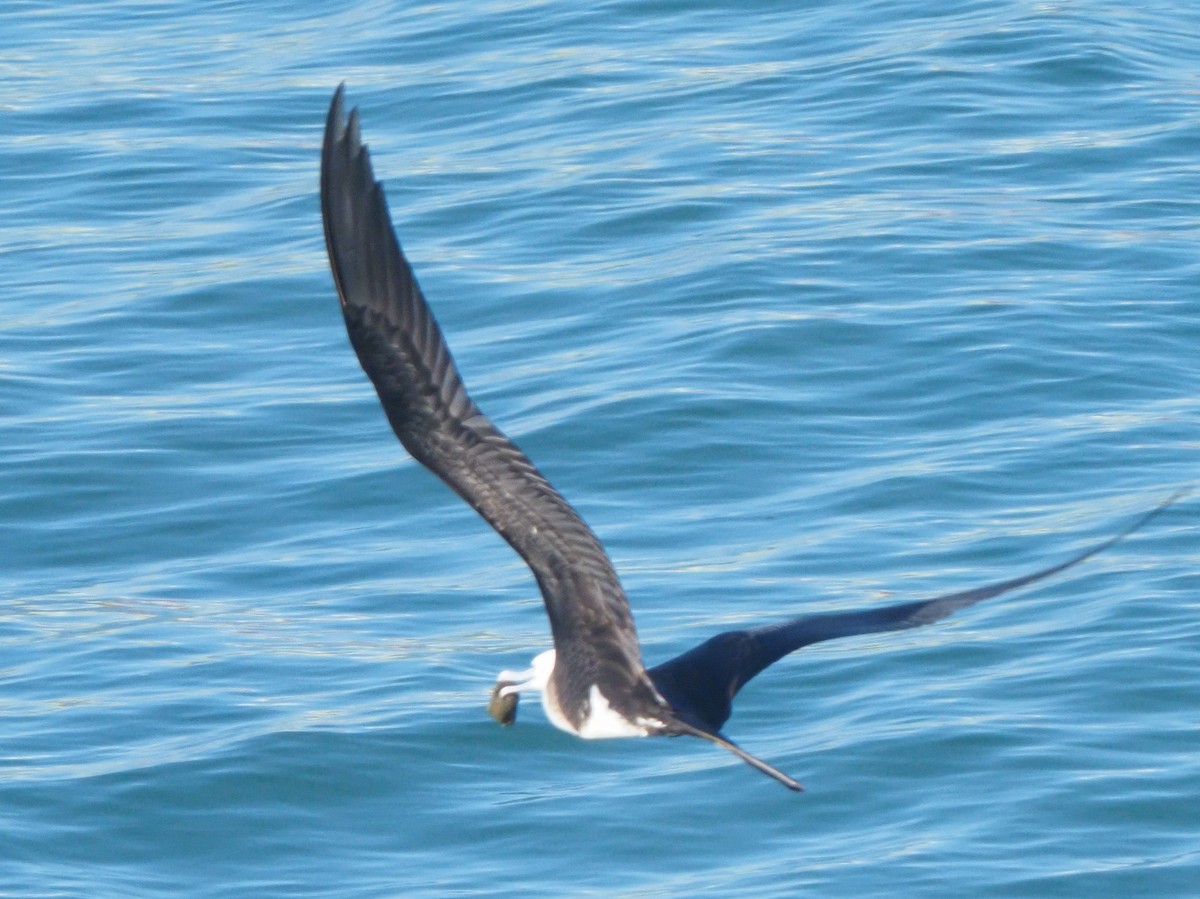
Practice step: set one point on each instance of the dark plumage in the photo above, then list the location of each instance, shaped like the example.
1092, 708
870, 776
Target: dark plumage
402, 350
593, 683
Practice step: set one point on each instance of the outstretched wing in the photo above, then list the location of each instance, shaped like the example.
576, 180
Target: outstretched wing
402, 350
701, 683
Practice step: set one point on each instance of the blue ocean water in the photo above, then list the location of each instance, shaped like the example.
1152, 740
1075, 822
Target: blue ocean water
805, 307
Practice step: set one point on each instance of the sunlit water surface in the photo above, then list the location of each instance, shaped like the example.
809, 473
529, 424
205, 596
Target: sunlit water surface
805, 307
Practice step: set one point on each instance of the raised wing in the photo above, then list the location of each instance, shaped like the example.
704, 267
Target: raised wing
402, 350
700, 684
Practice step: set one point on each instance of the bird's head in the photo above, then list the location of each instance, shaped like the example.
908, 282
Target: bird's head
509, 684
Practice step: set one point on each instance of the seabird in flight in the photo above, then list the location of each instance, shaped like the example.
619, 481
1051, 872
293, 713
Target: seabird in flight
592, 683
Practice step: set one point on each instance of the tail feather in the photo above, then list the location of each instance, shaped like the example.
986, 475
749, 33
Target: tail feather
751, 760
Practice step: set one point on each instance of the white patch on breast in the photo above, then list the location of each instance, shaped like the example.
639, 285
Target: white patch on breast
554, 712
603, 721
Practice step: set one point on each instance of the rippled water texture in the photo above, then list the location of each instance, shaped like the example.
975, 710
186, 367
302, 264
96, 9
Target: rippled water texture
805, 307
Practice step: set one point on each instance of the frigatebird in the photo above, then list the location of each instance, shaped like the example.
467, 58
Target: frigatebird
592, 683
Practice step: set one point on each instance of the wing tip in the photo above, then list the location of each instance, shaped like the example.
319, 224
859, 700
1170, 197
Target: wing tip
340, 128
335, 119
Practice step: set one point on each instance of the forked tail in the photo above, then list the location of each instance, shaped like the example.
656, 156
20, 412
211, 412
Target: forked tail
752, 761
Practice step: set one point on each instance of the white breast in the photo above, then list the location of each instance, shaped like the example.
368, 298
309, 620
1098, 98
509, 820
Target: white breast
603, 721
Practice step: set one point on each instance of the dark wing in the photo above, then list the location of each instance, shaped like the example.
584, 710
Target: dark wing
700, 684
402, 350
